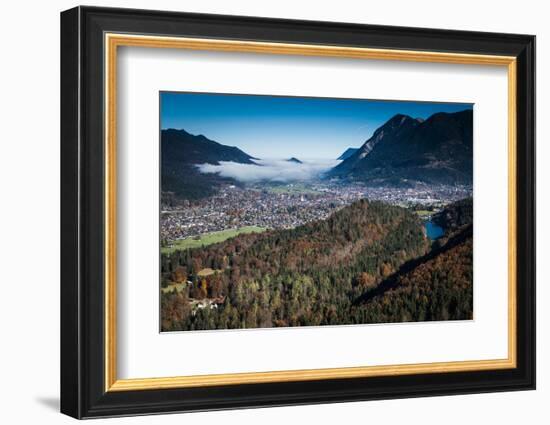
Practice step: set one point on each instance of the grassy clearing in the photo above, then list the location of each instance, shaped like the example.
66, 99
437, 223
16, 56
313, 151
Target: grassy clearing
177, 286
424, 213
209, 239
206, 272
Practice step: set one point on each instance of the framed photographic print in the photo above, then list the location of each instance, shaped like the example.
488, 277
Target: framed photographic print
261, 212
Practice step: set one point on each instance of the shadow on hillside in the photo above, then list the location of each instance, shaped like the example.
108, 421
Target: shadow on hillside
391, 282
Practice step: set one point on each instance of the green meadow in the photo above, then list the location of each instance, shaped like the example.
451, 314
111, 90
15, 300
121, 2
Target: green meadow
209, 239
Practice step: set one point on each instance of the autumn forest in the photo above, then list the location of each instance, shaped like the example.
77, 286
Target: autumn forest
369, 262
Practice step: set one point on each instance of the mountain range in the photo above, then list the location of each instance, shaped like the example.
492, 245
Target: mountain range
408, 150
403, 152
181, 152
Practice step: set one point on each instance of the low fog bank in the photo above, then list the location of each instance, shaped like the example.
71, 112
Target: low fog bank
271, 170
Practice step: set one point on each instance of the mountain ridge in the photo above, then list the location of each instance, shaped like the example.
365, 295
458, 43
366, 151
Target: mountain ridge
405, 150
347, 153
181, 152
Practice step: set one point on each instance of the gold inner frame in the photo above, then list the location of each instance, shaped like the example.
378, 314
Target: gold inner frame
113, 41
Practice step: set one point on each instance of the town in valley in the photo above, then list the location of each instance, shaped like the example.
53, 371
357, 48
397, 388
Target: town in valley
283, 206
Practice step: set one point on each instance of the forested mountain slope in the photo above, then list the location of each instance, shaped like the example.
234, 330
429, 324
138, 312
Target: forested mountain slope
368, 263
405, 151
309, 275
181, 152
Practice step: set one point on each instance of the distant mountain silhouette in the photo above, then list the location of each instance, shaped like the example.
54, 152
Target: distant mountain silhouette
405, 151
296, 160
347, 153
181, 152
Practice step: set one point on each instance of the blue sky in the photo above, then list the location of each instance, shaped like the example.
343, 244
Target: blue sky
281, 127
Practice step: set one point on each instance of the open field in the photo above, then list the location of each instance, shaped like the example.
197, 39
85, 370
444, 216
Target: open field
209, 239
178, 287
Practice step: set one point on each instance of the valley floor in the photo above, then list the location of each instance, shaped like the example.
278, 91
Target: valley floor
284, 206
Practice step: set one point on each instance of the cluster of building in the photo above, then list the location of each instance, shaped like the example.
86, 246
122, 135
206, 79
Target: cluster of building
432, 196
287, 206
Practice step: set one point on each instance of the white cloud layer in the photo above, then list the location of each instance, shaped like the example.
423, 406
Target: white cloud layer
272, 170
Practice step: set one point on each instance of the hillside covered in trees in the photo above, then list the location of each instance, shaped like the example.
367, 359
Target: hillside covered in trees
369, 262
406, 150
181, 152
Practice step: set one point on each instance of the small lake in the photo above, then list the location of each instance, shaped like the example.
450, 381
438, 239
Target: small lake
433, 231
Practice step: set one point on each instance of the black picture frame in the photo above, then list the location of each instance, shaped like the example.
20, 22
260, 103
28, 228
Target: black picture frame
83, 392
